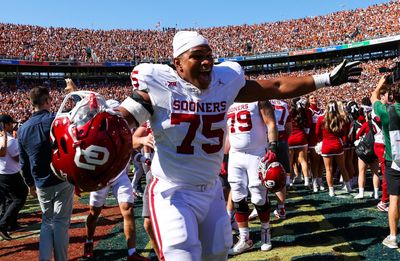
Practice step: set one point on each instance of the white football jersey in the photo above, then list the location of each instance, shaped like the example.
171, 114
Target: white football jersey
281, 110
189, 124
247, 130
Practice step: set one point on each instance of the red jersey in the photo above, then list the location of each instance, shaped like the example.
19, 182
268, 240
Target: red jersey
314, 113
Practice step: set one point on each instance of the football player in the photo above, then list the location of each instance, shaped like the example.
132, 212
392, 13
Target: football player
247, 128
284, 125
122, 191
187, 106
143, 139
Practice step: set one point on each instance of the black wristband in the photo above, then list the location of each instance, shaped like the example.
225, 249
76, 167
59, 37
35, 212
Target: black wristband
273, 146
226, 157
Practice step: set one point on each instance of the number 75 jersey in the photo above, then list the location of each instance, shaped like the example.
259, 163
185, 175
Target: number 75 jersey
189, 124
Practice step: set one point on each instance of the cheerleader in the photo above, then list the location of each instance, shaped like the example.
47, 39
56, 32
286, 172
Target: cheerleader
330, 129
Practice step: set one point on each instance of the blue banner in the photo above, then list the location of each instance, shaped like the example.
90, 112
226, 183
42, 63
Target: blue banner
11, 62
118, 64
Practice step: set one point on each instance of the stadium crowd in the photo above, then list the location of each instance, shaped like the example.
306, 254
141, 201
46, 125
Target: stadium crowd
28, 42
15, 100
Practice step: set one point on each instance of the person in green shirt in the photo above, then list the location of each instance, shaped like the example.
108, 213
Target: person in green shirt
392, 175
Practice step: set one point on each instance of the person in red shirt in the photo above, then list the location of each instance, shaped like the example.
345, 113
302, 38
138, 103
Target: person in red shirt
316, 162
330, 129
298, 141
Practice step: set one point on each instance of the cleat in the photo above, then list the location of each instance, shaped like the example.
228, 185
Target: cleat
359, 196
5, 235
332, 194
384, 207
241, 246
88, 250
390, 243
266, 239
280, 213
315, 188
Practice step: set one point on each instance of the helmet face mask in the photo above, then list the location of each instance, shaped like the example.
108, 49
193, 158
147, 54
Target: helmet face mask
91, 143
272, 175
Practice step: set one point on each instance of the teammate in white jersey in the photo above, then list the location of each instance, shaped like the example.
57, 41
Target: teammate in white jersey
247, 126
122, 191
284, 125
187, 107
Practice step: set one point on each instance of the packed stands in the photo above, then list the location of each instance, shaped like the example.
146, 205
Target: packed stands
27, 42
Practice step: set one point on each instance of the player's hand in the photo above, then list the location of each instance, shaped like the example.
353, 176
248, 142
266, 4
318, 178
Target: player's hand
381, 82
269, 157
148, 141
345, 72
71, 87
224, 169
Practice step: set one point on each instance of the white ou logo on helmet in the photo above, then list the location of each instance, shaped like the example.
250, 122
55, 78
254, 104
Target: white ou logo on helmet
91, 155
270, 184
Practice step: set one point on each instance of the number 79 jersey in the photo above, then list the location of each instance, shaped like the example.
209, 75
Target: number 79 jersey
189, 124
247, 130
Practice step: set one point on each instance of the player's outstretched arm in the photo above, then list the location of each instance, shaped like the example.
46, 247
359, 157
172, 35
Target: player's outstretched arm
289, 87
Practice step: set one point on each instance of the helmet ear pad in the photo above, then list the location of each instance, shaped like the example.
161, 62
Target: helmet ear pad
92, 154
272, 175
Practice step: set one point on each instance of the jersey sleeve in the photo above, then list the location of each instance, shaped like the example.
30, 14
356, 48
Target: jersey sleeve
141, 76
233, 73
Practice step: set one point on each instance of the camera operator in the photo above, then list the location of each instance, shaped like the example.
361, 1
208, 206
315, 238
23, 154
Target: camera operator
392, 172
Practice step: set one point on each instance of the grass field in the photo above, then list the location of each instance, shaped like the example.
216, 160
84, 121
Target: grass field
317, 227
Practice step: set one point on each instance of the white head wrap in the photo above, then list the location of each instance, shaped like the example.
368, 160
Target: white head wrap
184, 40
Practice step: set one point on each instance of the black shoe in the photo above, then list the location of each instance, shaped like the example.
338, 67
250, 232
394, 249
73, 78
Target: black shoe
15, 228
5, 235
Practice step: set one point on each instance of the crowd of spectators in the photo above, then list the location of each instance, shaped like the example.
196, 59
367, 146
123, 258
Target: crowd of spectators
37, 43
346, 92
14, 99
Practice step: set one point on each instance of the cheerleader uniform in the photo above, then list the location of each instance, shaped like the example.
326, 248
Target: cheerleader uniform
332, 142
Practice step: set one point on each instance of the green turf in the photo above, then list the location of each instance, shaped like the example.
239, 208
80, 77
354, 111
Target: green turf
317, 228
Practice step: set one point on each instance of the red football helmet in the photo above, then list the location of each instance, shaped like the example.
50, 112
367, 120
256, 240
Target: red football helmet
272, 175
91, 143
